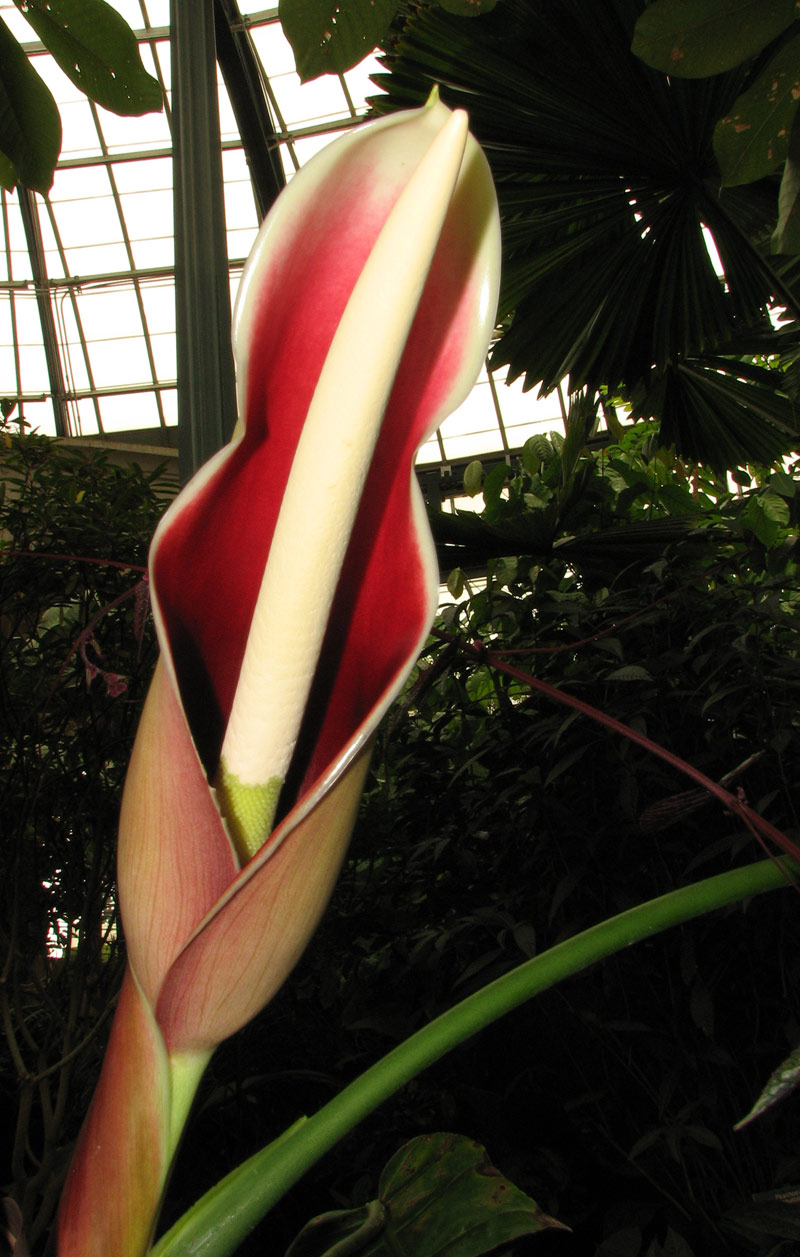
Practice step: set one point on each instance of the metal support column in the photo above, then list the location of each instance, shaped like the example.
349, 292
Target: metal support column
33, 237
206, 391
241, 74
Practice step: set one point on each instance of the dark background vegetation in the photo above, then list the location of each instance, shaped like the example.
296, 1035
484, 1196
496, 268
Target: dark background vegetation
496, 823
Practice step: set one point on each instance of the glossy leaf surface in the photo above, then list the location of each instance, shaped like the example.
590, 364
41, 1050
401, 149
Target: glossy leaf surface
695, 38
30, 127
97, 50
439, 1196
753, 139
329, 38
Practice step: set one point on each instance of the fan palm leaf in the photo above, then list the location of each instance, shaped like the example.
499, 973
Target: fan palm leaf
609, 194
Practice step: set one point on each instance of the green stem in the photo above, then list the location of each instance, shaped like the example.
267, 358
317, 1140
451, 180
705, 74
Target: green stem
221, 1220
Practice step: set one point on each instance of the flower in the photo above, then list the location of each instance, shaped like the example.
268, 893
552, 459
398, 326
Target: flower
294, 581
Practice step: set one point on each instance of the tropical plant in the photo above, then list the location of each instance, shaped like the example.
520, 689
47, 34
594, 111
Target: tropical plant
613, 218
498, 823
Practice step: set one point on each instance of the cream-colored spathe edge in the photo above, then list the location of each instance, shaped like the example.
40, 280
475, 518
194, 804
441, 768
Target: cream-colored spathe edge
408, 126
330, 467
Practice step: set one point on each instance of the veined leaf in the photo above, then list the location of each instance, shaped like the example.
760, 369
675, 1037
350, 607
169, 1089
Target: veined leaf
30, 127
630, 672
786, 237
329, 37
696, 38
780, 1082
439, 1196
753, 140
97, 50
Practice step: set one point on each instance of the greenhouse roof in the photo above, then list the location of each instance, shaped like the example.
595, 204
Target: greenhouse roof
87, 278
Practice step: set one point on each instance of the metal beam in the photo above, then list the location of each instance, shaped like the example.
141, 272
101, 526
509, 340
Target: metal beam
242, 75
206, 390
33, 237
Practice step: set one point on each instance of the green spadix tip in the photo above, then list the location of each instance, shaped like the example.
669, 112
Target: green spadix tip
248, 811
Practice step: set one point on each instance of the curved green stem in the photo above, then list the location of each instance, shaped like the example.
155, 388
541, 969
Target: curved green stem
220, 1220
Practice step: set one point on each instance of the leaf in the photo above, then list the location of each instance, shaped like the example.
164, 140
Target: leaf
780, 1082
753, 139
439, 1196
774, 507
30, 126
455, 582
757, 1220
341, 1231
786, 236
696, 38
760, 524
445, 1197
536, 453
8, 180
97, 50
468, 8
630, 672
702, 1135
494, 482
525, 937
627, 1242
329, 37
473, 477
674, 1246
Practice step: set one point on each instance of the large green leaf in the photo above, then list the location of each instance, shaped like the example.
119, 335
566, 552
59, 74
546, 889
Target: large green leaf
30, 127
331, 36
8, 173
753, 139
439, 1196
695, 38
786, 237
97, 50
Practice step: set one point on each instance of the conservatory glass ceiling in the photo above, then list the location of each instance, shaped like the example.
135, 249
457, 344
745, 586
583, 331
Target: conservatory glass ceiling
107, 251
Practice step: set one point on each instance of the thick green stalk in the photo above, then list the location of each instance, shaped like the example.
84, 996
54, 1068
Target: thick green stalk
219, 1222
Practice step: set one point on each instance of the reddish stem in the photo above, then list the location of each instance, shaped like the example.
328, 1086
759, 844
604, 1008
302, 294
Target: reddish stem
73, 558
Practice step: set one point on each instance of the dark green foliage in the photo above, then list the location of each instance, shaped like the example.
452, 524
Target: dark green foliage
496, 824
499, 823
75, 659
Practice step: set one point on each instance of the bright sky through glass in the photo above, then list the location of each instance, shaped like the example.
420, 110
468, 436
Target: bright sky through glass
106, 232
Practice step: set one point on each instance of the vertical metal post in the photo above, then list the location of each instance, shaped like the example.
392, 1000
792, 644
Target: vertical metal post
241, 75
206, 391
33, 237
